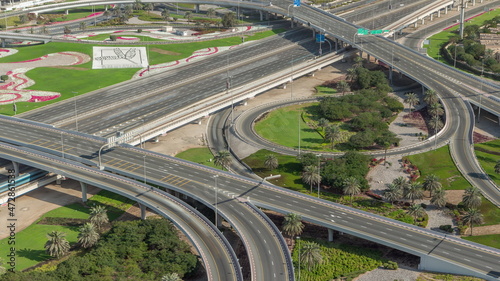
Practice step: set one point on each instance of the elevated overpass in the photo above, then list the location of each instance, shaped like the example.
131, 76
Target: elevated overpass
215, 251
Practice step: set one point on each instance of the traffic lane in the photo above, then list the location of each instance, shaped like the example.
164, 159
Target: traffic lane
175, 211
151, 109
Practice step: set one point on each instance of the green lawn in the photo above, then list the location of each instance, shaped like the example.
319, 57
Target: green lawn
76, 13
83, 79
282, 127
200, 155
439, 162
488, 153
102, 37
339, 260
492, 240
438, 39
322, 90
30, 241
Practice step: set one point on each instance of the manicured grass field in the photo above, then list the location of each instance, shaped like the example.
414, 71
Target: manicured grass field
200, 155
338, 260
81, 79
436, 40
76, 13
439, 162
102, 37
30, 241
282, 127
485, 153
322, 90
492, 240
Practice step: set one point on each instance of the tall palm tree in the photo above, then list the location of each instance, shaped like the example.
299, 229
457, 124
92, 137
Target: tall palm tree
149, 7
351, 187
271, 162
310, 254
430, 97
107, 14
88, 236
413, 191
436, 124
171, 277
98, 216
188, 15
416, 211
128, 11
165, 14
472, 198
431, 183
351, 74
435, 109
400, 182
497, 167
358, 62
439, 198
57, 246
83, 25
223, 159
333, 134
411, 99
393, 193
311, 176
211, 12
323, 123
137, 5
473, 216
292, 225
343, 86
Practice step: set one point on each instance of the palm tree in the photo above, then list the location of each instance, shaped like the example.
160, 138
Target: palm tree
343, 87
223, 158
351, 74
436, 124
128, 11
323, 123
292, 225
88, 236
472, 198
333, 134
137, 5
107, 14
430, 97
400, 182
271, 162
416, 211
497, 167
439, 198
473, 216
351, 187
188, 15
411, 99
171, 277
165, 14
311, 176
413, 191
431, 183
57, 246
435, 109
211, 12
358, 62
149, 7
83, 25
98, 216
310, 254
393, 193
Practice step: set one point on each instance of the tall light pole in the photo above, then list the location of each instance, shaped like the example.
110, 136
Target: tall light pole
216, 191
145, 179
481, 92
76, 112
62, 145
298, 239
319, 169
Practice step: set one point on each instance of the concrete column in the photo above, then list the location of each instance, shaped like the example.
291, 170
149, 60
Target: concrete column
84, 191
219, 221
176, 194
197, 8
390, 74
3, 43
66, 12
330, 235
368, 57
439, 13
430, 16
143, 211
473, 2
16, 168
423, 21
261, 15
446, 10
415, 24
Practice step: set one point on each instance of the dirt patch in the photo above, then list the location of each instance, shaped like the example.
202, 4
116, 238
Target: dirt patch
480, 138
485, 230
164, 52
416, 119
454, 196
70, 67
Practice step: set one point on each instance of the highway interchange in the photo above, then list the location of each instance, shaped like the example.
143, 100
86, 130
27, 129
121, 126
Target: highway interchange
377, 47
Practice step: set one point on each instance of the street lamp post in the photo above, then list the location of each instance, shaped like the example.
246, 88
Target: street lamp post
62, 145
216, 191
76, 112
480, 93
319, 170
298, 239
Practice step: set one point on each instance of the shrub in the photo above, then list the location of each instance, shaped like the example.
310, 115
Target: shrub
446, 227
139, 30
4, 77
112, 37
391, 265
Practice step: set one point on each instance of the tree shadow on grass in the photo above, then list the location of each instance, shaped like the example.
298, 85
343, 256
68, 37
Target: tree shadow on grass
291, 168
35, 255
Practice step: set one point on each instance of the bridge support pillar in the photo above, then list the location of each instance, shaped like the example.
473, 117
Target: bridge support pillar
197, 8
219, 221
423, 21
330, 235
15, 165
143, 211
446, 10
390, 74
415, 24
430, 16
66, 12
84, 191
439, 14
261, 16
3, 43
473, 2
176, 194
368, 57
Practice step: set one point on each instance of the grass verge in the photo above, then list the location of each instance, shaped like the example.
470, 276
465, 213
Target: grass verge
492, 240
200, 155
